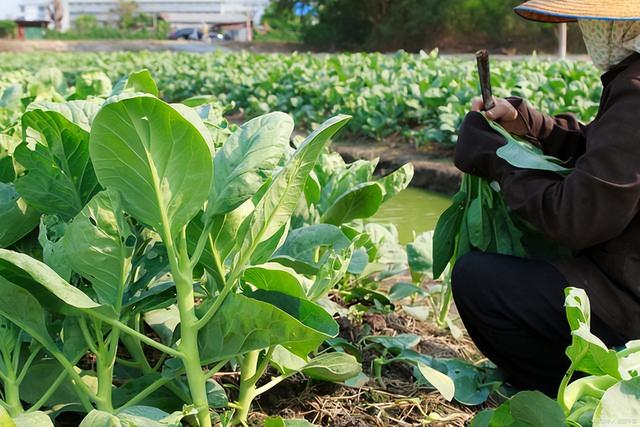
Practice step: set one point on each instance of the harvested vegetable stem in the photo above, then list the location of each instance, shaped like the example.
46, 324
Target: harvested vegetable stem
484, 71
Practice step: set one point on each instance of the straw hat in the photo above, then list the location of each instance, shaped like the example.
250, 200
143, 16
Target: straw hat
572, 10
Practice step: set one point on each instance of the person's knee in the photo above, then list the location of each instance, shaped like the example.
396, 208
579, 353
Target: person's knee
465, 275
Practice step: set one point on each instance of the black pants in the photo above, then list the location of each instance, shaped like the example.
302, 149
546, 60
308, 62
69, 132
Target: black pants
513, 309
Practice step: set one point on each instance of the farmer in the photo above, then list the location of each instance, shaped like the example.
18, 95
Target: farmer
513, 307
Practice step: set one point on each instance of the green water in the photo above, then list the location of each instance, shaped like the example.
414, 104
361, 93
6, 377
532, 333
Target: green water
413, 211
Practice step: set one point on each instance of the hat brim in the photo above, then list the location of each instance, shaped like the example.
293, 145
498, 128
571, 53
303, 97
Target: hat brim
571, 11
543, 16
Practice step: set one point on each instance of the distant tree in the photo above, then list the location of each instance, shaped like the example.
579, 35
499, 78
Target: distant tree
56, 12
85, 24
126, 11
8, 28
409, 24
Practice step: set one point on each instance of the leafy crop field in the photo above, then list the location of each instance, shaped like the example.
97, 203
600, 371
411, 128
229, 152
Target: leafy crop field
160, 266
414, 98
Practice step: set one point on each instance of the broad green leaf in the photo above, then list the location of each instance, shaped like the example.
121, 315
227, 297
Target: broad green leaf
192, 116
244, 324
444, 236
526, 409
397, 181
344, 179
285, 361
398, 342
420, 255
359, 261
331, 272
49, 279
33, 419
50, 236
629, 365
402, 290
97, 418
59, 176
146, 416
588, 386
577, 307
48, 84
247, 159
216, 395
358, 203
275, 277
164, 322
95, 83
265, 249
437, 379
302, 246
139, 81
275, 208
587, 352
523, 155
155, 158
17, 218
333, 367
227, 237
80, 112
620, 405
40, 376
22, 309
99, 245
283, 422
8, 334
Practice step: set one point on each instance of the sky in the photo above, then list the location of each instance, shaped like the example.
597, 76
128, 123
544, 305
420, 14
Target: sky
8, 8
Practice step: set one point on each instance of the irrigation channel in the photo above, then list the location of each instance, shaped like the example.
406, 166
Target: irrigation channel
413, 211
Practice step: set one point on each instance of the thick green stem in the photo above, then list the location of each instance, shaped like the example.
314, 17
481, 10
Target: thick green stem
445, 302
105, 362
248, 370
190, 354
563, 388
11, 387
12, 397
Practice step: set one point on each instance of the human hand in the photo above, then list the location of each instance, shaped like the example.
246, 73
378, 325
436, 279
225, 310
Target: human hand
504, 113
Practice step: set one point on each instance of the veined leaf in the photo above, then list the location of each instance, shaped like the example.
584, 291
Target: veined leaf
247, 159
300, 249
47, 278
361, 202
16, 217
24, 310
95, 83
244, 324
280, 200
138, 81
275, 277
334, 367
396, 181
155, 158
79, 112
99, 245
60, 178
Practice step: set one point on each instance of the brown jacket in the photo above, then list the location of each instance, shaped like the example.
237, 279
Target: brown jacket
595, 210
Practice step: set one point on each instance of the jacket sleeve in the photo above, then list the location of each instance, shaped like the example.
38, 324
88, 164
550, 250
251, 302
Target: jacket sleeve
562, 136
600, 198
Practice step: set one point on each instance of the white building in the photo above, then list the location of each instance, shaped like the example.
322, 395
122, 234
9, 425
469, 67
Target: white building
34, 10
180, 13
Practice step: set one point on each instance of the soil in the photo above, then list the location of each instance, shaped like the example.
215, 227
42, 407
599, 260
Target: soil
396, 402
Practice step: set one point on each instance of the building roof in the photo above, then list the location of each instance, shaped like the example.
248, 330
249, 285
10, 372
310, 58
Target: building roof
203, 18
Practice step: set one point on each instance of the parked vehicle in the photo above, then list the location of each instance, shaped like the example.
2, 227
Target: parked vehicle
186, 34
